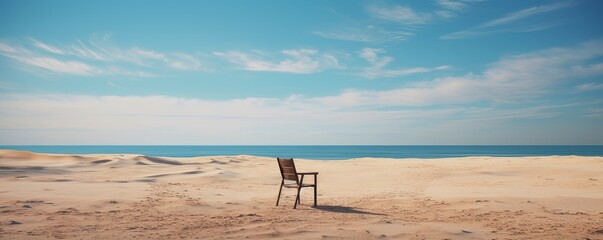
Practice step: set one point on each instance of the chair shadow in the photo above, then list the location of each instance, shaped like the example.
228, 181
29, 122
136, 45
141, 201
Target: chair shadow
344, 209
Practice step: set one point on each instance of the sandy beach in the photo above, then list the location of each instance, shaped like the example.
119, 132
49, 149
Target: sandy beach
233, 197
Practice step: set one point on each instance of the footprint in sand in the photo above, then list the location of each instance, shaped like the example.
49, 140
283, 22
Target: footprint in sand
101, 161
68, 210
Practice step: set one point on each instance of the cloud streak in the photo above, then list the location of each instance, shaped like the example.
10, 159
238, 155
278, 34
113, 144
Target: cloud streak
378, 64
520, 77
399, 14
368, 34
98, 57
298, 61
33, 60
46, 47
392, 23
452, 5
590, 87
58, 66
501, 24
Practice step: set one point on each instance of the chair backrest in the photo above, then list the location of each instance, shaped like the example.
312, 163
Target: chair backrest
287, 168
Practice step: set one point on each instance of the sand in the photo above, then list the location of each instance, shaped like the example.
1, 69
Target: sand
132, 196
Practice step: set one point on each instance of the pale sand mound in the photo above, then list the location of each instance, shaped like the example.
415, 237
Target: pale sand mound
132, 196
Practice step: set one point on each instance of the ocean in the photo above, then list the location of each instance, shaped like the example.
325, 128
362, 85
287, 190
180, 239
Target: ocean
319, 151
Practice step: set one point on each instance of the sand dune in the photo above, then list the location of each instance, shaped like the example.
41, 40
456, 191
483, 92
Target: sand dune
132, 196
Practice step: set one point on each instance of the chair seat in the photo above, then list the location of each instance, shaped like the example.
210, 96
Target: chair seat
293, 185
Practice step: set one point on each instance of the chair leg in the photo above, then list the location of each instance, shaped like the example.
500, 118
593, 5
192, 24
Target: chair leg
297, 198
315, 189
299, 187
279, 192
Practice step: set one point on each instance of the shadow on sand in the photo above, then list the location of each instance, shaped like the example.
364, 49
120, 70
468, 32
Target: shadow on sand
343, 209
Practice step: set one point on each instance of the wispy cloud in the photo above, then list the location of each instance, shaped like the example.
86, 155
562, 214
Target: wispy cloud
519, 77
590, 69
451, 4
449, 9
46, 47
300, 61
501, 24
33, 60
59, 66
8, 50
391, 23
101, 49
400, 14
368, 34
98, 57
378, 63
590, 87
527, 13
405, 15
184, 61
444, 14
150, 54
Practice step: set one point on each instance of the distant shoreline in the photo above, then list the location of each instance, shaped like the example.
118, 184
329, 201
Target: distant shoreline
322, 152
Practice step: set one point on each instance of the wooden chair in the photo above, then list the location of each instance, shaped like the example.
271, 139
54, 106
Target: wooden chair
290, 174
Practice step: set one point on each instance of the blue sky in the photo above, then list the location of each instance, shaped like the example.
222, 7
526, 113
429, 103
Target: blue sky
301, 72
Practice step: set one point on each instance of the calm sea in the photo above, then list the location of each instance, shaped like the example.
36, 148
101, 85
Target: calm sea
319, 152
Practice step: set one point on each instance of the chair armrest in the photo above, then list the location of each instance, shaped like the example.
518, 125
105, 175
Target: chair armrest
307, 173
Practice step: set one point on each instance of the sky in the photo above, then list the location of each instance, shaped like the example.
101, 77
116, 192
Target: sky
441, 72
